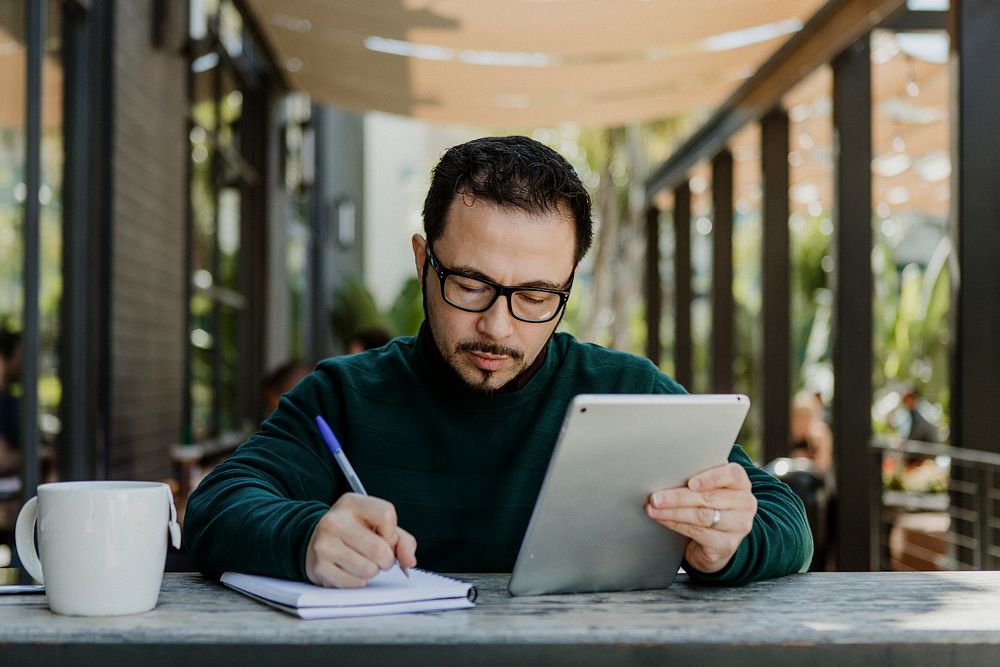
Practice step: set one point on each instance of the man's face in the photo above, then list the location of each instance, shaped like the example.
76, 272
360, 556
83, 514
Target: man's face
509, 247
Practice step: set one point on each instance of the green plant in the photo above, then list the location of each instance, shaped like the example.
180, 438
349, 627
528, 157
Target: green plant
355, 309
911, 326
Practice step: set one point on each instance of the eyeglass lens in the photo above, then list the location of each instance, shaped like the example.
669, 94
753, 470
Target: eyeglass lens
471, 294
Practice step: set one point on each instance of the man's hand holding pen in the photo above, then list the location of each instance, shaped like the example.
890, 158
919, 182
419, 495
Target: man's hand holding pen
356, 539
359, 535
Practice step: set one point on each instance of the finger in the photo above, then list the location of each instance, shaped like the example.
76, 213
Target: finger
737, 523
378, 514
694, 516
731, 476
345, 523
708, 538
406, 549
321, 563
356, 564
361, 539
679, 497
723, 498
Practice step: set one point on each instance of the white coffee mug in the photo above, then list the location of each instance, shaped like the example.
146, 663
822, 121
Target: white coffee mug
101, 546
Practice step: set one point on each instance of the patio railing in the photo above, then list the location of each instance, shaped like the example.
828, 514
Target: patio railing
938, 507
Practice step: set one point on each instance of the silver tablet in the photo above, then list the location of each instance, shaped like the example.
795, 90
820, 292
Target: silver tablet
588, 531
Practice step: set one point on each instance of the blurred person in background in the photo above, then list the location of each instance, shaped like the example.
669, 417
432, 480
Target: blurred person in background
281, 380
367, 339
811, 436
914, 425
10, 373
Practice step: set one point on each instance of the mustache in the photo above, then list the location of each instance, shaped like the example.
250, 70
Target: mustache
489, 348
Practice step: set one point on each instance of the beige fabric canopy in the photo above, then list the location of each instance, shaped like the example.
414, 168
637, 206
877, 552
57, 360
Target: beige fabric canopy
526, 63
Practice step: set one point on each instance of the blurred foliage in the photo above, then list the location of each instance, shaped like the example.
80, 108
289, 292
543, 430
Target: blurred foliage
50, 259
910, 322
407, 309
911, 335
811, 305
355, 309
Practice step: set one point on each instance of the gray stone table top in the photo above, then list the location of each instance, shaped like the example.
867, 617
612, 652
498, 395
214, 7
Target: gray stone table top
914, 618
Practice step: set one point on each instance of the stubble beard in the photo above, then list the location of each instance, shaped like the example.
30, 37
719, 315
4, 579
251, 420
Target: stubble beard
482, 384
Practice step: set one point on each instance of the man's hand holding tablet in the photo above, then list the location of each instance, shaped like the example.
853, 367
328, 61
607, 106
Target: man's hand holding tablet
716, 510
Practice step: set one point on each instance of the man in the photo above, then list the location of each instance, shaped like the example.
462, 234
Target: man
920, 428
452, 430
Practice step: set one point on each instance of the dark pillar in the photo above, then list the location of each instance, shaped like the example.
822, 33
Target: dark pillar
35, 32
86, 304
683, 349
253, 256
975, 314
722, 273
975, 394
321, 214
653, 285
776, 372
852, 285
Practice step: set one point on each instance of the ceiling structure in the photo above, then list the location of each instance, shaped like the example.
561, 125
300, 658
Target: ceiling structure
526, 63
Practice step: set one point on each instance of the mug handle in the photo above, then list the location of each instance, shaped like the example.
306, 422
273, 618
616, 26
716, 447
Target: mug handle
24, 538
173, 528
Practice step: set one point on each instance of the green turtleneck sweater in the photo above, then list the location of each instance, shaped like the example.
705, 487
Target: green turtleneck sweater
462, 470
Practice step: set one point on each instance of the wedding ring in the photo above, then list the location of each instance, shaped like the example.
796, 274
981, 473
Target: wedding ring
716, 518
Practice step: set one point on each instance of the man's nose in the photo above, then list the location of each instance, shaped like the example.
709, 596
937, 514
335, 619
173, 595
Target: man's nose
497, 322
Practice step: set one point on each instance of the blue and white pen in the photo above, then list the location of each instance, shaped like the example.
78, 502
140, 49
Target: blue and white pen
338, 454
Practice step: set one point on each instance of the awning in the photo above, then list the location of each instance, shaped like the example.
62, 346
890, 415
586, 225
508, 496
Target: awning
526, 63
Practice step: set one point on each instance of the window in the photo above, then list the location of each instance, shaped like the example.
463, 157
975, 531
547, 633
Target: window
226, 222
13, 196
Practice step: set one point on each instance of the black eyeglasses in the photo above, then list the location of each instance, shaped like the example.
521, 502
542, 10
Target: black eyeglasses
476, 295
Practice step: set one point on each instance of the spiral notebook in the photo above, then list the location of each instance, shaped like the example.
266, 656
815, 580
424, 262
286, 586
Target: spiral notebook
389, 592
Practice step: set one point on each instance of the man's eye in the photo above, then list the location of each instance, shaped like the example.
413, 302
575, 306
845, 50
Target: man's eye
471, 288
533, 299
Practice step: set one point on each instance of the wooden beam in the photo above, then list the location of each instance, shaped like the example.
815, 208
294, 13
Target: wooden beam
831, 30
653, 285
975, 202
852, 288
683, 347
918, 21
975, 419
723, 304
776, 352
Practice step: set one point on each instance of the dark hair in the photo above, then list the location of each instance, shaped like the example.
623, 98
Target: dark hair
511, 172
370, 338
9, 342
278, 380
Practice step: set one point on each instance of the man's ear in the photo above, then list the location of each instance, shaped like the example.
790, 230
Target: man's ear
419, 255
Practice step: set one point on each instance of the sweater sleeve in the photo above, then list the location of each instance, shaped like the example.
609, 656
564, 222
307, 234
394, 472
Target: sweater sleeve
256, 512
779, 543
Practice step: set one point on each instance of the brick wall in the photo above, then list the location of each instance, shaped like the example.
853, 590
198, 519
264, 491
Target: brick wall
149, 203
